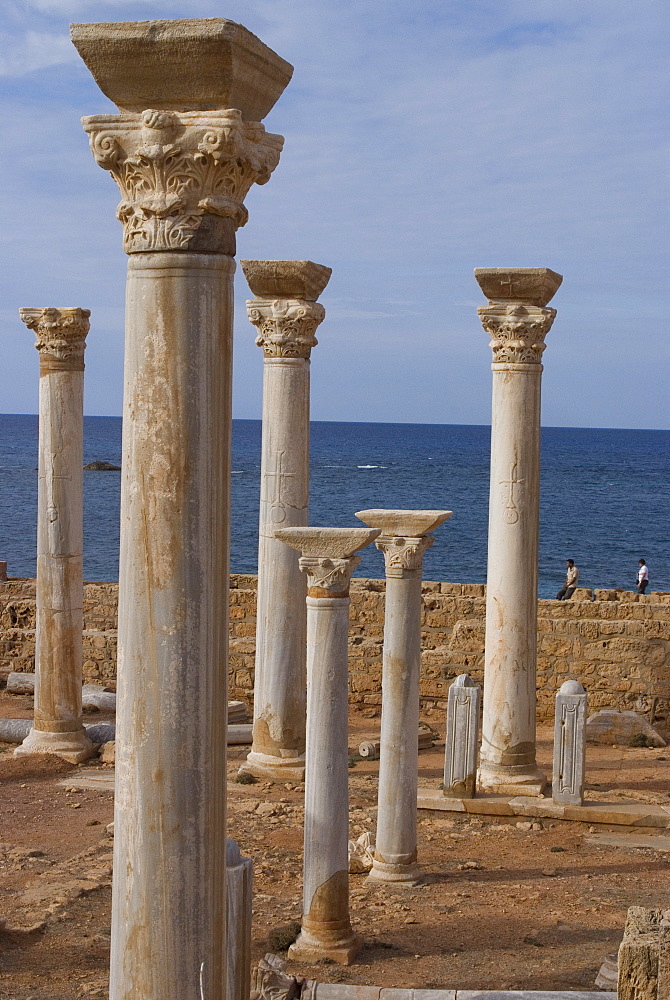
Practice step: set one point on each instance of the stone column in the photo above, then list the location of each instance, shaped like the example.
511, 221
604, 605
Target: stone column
286, 314
58, 727
404, 539
328, 560
517, 319
183, 172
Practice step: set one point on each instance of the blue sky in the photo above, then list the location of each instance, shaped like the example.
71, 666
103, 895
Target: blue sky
423, 138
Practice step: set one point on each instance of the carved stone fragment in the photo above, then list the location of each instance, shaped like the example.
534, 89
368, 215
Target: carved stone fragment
462, 738
570, 744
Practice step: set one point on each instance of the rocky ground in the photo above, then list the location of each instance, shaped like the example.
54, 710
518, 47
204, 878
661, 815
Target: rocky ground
505, 905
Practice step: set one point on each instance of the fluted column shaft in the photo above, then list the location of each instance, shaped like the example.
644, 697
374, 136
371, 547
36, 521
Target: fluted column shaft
286, 329
518, 325
58, 727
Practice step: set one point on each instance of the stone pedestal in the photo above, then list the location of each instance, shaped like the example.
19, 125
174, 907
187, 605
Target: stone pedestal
462, 738
404, 539
570, 744
183, 172
58, 727
328, 560
286, 314
517, 319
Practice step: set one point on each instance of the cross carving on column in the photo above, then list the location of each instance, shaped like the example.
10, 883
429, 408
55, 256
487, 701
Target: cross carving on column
278, 505
511, 509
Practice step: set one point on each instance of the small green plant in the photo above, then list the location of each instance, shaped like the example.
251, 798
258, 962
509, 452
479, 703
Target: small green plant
244, 778
641, 740
281, 938
354, 758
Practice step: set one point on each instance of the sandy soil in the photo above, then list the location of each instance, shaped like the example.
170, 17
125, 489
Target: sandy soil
503, 906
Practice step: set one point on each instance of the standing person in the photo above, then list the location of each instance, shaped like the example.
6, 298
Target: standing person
642, 577
571, 580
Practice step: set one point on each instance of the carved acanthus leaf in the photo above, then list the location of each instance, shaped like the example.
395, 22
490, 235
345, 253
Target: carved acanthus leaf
60, 336
285, 326
177, 170
403, 554
270, 981
517, 331
331, 575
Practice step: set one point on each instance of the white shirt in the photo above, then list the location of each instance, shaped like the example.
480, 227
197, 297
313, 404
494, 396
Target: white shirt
643, 573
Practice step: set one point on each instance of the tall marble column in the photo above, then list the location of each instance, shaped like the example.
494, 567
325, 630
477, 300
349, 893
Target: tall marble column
328, 559
183, 171
404, 539
58, 727
286, 314
517, 319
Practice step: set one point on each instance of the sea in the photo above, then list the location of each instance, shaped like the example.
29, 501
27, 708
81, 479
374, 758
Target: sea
605, 496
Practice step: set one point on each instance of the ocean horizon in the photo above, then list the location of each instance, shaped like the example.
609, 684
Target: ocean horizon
604, 496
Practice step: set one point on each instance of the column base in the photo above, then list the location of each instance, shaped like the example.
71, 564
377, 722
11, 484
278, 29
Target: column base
309, 949
501, 779
404, 876
265, 765
72, 747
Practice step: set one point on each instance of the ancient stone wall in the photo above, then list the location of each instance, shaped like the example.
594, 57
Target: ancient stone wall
618, 646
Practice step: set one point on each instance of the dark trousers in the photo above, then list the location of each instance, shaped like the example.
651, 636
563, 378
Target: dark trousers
642, 586
565, 593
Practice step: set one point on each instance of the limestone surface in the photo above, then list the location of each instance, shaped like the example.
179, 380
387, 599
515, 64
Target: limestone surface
412, 523
327, 543
186, 64
627, 728
286, 279
535, 285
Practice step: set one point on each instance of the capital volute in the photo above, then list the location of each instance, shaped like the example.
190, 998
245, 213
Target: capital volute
517, 318
60, 337
183, 175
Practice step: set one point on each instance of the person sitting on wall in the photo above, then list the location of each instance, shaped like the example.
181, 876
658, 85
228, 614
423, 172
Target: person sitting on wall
642, 577
571, 580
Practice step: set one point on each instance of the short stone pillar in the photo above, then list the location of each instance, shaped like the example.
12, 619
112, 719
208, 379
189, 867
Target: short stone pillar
183, 171
58, 727
570, 744
517, 319
328, 560
286, 314
404, 539
462, 738
239, 900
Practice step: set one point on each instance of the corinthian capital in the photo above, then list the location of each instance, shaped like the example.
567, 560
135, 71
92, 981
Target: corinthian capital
60, 337
517, 331
328, 556
404, 537
517, 318
286, 326
285, 311
403, 555
183, 176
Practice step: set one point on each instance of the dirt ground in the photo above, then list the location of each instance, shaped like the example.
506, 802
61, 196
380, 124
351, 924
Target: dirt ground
503, 907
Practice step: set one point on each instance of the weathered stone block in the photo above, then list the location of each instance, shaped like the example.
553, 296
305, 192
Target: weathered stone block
462, 738
570, 744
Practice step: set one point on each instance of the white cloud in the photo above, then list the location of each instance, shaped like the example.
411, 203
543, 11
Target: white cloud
22, 54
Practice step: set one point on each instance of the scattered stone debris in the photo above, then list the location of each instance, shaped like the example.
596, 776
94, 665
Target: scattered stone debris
623, 728
361, 854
